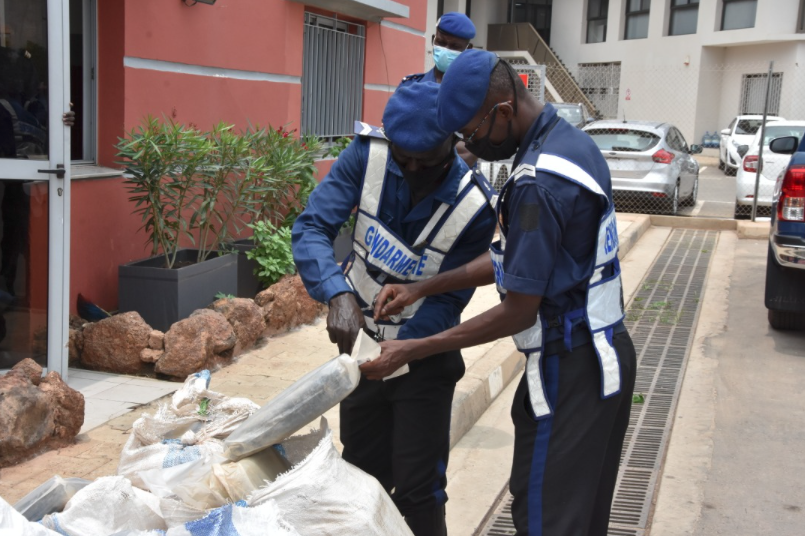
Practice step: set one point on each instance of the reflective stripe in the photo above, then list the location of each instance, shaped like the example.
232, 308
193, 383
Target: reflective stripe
604, 304
610, 367
368, 288
458, 220
530, 339
536, 385
607, 238
423, 236
523, 170
375, 173
567, 169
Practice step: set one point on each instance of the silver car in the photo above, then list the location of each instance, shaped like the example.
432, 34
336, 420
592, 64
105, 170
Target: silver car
650, 163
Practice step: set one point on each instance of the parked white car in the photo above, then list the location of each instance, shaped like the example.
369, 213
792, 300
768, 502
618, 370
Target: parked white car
740, 132
773, 165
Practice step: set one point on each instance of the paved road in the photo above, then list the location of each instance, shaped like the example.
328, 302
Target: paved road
716, 192
736, 462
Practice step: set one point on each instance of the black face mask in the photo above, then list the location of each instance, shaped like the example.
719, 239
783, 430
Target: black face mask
486, 150
427, 178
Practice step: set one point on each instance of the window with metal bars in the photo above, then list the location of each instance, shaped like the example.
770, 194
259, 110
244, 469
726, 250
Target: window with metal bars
597, 12
637, 12
684, 17
753, 93
738, 14
332, 76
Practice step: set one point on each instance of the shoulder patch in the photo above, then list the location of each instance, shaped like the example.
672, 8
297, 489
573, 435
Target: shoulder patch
484, 184
365, 129
412, 78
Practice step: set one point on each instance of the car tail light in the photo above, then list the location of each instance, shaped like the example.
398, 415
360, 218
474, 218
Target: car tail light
662, 157
791, 204
750, 163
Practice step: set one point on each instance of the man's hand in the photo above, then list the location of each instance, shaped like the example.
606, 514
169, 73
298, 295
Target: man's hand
394, 354
68, 118
344, 321
392, 299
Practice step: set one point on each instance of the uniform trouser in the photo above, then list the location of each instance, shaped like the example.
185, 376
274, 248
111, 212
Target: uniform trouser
399, 432
565, 466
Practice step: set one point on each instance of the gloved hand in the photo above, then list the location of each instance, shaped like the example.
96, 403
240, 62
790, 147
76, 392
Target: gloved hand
344, 321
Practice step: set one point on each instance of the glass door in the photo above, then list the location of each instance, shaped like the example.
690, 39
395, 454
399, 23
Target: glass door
34, 183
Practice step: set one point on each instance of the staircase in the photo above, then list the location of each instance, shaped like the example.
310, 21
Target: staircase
522, 36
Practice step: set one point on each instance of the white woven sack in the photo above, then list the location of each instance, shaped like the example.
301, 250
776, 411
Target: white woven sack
240, 520
107, 506
183, 431
326, 496
13, 523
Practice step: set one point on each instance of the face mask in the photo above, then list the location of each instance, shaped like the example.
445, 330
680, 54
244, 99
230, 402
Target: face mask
425, 178
486, 150
443, 57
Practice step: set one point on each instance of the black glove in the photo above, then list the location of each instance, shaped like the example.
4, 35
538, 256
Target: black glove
344, 321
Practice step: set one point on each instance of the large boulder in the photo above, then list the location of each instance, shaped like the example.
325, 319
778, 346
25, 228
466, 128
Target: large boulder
36, 415
287, 304
245, 317
114, 344
75, 346
200, 342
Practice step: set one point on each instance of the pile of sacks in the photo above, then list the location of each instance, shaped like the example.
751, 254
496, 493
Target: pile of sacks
209, 465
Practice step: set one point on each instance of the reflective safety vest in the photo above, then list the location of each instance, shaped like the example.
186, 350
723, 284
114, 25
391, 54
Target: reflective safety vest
604, 300
380, 256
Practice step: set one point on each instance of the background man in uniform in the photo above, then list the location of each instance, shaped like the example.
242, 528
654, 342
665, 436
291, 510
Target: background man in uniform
398, 430
557, 268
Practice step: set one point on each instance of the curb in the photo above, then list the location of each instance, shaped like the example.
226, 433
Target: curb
487, 377
754, 230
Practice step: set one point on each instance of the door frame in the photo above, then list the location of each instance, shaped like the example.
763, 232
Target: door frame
58, 188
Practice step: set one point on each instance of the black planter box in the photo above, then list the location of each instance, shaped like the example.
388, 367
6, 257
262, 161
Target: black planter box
248, 284
163, 296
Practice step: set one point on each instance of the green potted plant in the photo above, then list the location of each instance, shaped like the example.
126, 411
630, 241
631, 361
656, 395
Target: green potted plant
189, 187
281, 194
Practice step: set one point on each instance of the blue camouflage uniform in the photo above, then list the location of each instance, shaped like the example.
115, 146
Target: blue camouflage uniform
558, 241
397, 430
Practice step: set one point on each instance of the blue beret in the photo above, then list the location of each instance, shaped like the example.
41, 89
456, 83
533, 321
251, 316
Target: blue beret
409, 119
464, 88
457, 24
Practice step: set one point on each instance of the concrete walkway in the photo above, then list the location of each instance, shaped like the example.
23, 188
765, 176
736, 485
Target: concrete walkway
265, 371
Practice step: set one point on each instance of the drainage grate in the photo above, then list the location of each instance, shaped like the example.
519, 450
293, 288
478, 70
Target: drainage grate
661, 320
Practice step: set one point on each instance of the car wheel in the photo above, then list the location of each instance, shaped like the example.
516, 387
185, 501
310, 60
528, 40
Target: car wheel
690, 201
721, 164
730, 172
786, 320
672, 206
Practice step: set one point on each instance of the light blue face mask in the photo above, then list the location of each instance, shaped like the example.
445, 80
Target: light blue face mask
443, 57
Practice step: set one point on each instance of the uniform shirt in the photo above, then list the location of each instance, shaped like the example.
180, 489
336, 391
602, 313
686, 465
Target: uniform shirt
429, 76
553, 222
332, 202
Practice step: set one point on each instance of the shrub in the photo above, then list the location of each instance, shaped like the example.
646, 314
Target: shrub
272, 251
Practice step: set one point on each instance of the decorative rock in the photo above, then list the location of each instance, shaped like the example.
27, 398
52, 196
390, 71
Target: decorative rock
149, 355
28, 369
223, 336
33, 419
156, 341
76, 322
75, 346
246, 319
287, 304
114, 344
191, 344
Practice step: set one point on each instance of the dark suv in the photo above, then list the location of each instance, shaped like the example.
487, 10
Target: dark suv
785, 269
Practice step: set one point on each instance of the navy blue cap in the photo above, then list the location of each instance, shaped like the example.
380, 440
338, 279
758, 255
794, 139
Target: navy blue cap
464, 88
457, 24
410, 118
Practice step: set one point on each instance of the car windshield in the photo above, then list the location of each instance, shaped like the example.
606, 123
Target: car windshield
747, 126
623, 139
570, 114
782, 131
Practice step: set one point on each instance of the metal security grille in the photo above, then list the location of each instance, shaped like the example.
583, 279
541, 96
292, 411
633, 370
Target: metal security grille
535, 75
661, 321
332, 76
753, 93
601, 83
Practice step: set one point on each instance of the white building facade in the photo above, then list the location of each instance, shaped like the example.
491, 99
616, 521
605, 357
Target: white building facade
694, 63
